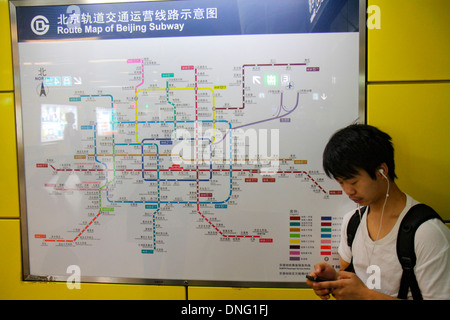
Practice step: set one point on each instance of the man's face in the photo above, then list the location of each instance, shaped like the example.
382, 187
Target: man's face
362, 189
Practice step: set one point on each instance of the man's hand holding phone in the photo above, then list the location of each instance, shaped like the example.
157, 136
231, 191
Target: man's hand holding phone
322, 272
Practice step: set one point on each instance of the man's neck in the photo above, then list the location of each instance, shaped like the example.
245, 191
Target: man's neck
395, 203
380, 221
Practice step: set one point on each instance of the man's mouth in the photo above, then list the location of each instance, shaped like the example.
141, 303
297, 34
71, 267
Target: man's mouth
356, 200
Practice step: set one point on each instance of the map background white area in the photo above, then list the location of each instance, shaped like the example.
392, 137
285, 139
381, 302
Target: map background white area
188, 253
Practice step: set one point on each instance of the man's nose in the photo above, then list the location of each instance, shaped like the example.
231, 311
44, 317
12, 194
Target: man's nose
348, 189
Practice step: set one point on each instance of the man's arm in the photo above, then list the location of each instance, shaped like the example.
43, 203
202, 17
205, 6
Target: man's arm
344, 265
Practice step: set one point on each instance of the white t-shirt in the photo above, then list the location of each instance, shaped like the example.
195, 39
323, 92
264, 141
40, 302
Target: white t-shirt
432, 248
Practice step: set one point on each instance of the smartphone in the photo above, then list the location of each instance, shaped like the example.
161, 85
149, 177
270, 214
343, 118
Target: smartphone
317, 279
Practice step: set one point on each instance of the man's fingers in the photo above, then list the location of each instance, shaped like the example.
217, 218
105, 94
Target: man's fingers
320, 267
345, 275
327, 285
324, 294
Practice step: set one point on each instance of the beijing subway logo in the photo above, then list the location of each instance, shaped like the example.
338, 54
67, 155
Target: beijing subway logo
40, 25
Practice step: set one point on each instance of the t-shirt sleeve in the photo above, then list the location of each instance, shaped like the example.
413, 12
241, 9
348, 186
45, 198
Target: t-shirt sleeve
432, 247
345, 252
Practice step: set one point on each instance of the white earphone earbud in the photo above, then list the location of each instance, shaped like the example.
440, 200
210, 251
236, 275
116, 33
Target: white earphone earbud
381, 171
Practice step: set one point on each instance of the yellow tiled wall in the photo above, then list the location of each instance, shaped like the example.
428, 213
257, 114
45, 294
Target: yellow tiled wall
408, 94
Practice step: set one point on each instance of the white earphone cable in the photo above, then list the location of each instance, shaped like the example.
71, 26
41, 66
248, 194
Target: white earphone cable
382, 213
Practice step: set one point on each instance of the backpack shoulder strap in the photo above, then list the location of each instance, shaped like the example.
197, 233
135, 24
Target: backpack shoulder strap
417, 215
352, 227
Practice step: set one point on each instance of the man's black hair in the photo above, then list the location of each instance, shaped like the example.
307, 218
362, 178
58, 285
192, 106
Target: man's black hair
358, 147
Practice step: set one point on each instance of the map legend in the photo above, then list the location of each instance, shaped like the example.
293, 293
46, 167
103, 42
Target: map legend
325, 236
294, 238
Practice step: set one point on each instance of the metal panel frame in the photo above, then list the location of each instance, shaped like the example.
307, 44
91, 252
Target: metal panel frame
21, 160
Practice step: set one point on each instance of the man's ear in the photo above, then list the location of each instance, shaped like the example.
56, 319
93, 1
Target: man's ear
383, 171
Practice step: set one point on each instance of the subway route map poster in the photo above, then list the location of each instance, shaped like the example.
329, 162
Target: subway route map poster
180, 142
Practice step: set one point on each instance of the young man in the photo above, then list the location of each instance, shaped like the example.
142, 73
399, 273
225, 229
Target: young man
361, 159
